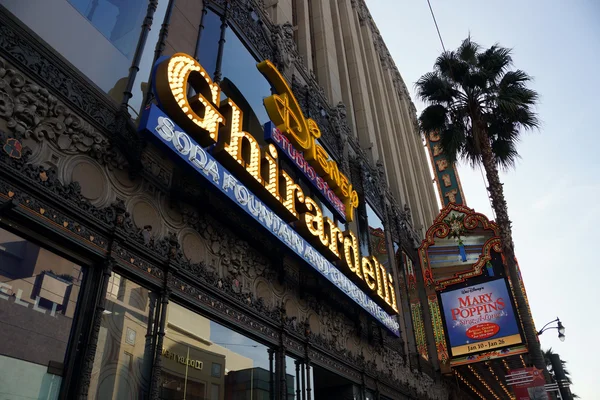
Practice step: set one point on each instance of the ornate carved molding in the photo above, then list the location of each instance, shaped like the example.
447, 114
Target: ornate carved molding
30, 112
34, 105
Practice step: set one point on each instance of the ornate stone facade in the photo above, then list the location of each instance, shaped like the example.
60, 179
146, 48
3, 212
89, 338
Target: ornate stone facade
81, 174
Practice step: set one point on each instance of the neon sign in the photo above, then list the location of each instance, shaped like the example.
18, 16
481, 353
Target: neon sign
207, 124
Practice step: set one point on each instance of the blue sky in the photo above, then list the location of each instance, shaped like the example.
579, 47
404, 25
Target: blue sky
553, 192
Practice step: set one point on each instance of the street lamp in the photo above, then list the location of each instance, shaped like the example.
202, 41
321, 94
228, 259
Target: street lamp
559, 327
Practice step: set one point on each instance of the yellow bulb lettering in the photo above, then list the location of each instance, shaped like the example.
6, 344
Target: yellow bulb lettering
197, 114
368, 271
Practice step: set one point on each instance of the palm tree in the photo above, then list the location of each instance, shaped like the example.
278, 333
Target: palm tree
480, 107
548, 359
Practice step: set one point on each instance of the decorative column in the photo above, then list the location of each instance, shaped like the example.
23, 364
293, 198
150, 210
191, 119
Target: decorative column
303, 382
271, 375
217, 78
98, 312
200, 29
137, 56
160, 46
297, 379
92, 345
307, 334
149, 338
157, 366
281, 372
170, 268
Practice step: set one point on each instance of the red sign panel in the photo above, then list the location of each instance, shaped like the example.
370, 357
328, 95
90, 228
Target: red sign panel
533, 388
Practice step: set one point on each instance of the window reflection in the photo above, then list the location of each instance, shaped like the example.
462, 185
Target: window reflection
98, 37
297, 379
363, 229
140, 85
243, 83
204, 360
123, 359
328, 385
38, 300
119, 21
377, 238
209, 42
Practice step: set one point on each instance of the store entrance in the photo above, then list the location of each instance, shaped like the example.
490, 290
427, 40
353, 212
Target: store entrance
328, 385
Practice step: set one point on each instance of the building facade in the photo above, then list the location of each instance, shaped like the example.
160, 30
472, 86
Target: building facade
130, 271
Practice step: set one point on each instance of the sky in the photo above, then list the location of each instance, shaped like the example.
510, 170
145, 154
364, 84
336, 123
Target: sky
553, 192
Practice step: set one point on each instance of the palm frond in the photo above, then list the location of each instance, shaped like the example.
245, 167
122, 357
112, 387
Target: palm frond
432, 88
474, 87
505, 152
467, 51
512, 78
433, 118
452, 140
449, 65
494, 62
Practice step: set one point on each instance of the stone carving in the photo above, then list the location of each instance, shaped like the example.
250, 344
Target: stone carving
344, 133
155, 168
31, 112
51, 70
224, 287
236, 256
255, 30
285, 46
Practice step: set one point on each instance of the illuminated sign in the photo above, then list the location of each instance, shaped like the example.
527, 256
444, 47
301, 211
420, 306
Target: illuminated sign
274, 135
480, 318
221, 128
171, 135
446, 175
284, 111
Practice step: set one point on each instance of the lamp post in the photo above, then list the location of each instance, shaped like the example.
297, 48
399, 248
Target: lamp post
559, 327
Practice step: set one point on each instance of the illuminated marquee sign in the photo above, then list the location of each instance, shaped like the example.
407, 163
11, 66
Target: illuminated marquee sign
203, 123
480, 318
274, 135
160, 126
446, 175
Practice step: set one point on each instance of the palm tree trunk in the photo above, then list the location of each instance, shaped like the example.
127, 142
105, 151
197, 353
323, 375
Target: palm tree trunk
504, 226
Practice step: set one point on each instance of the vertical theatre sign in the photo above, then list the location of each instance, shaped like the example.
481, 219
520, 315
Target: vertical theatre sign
446, 176
479, 318
250, 175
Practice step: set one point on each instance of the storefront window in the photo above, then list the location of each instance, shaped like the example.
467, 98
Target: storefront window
328, 385
297, 379
205, 360
123, 360
38, 301
98, 37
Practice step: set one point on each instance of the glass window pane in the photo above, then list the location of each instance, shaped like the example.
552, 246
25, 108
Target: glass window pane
193, 346
215, 392
244, 84
123, 360
98, 37
38, 300
140, 85
296, 379
377, 238
209, 42
119, 21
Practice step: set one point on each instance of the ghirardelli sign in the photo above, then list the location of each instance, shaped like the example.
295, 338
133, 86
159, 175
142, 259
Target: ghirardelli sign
206, 132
